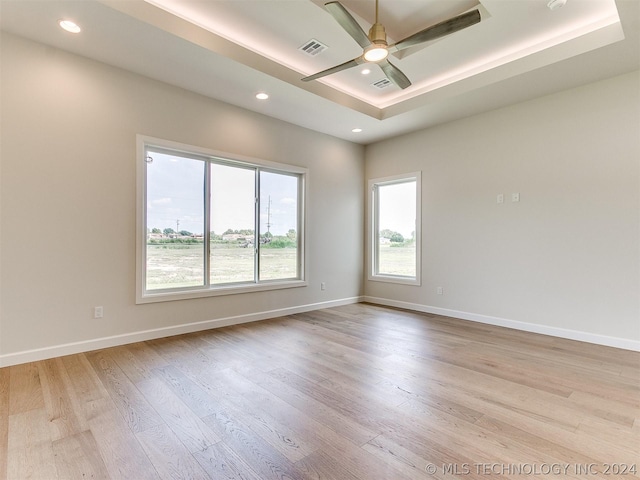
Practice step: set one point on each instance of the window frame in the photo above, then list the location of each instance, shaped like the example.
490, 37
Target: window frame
373, 220
207, 155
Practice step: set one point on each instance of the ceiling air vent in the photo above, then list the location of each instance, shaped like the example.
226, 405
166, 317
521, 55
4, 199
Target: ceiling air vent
384, 83
313, 47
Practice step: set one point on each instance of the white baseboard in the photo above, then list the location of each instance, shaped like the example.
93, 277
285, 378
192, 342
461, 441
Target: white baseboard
616, 342
116, 340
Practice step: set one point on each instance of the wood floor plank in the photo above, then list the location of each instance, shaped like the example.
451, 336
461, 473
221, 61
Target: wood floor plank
187, 390
332, 419
447, 380
313, 431
221, 463
361, 463
85, 382
5, 374
66, 415
145, 357
120, 450
627, 438
169, 456
78, 457
26, 390
604, 408
237, 399
414, 465
260, 456
30, 450
180, 354
185, 424
320, 466
133, 407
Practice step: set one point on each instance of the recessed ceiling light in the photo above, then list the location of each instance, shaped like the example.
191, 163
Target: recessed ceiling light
262, 96
69, 26
366, 71
555, 4
356, 130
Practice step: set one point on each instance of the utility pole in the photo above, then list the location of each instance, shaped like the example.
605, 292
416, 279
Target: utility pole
269, 215
177, 226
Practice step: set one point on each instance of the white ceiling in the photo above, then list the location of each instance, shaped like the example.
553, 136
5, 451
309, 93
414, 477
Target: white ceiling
232, 49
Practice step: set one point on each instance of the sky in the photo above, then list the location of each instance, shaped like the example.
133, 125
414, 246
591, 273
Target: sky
175, 193
398, 208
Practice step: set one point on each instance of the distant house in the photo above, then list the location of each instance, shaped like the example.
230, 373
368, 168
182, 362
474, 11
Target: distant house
234, 237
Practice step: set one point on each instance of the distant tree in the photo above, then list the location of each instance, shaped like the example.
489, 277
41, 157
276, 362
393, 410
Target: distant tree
386, 233
156, 230
229, 231
185, 233
291, 234
168, 231
397, 237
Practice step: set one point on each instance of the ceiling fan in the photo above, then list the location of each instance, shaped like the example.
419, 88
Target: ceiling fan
375, 46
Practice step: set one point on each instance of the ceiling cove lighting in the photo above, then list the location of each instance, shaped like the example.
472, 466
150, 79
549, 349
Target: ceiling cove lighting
262, 96
69, 26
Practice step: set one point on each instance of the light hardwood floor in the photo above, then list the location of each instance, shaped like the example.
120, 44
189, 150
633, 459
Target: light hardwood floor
354, 392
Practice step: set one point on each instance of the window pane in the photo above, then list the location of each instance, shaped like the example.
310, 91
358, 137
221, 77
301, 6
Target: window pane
232, 245
396, 234
278, 226
175, 222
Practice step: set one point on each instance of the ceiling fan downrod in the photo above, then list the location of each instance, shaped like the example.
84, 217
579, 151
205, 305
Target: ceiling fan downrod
378, 36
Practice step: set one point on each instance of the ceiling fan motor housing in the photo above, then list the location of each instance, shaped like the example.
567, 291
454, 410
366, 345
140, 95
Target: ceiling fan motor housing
377, 34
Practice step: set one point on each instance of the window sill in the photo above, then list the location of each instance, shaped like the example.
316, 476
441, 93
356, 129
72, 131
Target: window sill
169, 296
395, 279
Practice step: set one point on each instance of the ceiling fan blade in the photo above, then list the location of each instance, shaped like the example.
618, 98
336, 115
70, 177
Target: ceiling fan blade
438, 30
346, 21
394, 74
338, 68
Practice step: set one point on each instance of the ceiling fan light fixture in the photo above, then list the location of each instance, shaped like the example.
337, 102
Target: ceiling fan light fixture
375, 53
378, 49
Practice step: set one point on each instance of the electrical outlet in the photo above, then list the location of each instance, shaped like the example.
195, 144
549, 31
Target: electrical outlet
98, 312
515, 197
500, 198
440, 291
323, 286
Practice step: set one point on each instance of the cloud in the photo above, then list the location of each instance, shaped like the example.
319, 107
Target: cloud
288, 201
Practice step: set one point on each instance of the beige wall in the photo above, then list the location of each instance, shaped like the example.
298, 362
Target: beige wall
68, 196
565, 259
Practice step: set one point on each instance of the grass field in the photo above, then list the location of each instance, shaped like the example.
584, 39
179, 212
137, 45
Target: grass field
176, 266
397, 260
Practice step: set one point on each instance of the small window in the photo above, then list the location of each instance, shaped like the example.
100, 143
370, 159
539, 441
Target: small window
214, 224
394, 240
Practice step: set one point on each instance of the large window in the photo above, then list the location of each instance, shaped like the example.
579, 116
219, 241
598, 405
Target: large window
211, 224
394, 240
